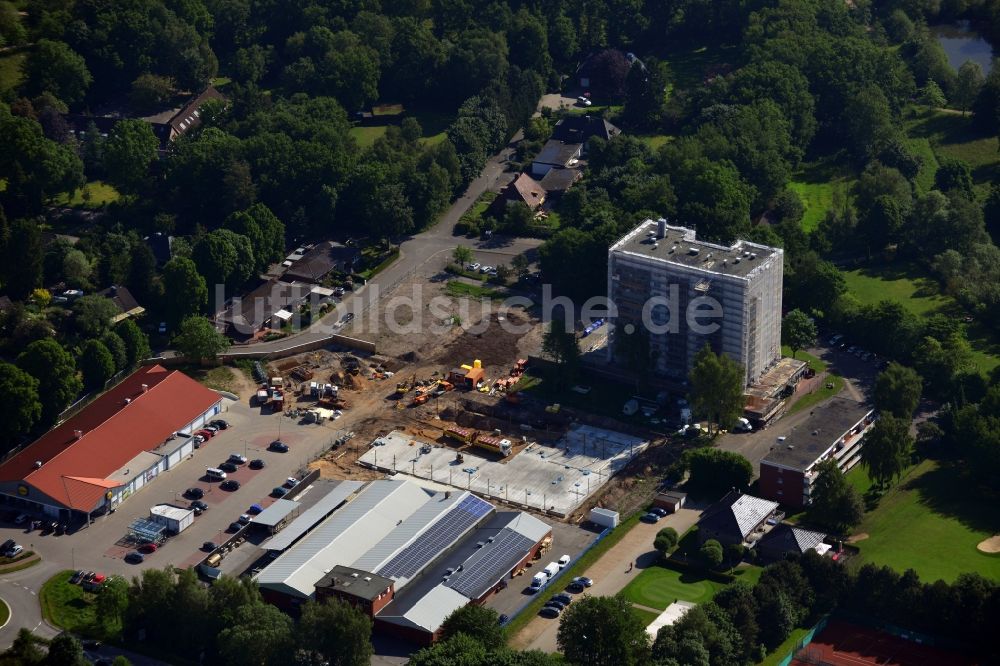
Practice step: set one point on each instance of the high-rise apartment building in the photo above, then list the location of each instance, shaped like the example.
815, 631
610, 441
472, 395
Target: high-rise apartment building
687, 293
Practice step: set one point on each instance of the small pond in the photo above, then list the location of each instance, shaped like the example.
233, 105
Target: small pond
961, 43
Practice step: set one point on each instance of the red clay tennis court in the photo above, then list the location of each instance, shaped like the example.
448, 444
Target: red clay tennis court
844, 644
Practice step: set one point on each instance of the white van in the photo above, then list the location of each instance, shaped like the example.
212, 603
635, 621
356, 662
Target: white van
551, 569
538, 581
215, 473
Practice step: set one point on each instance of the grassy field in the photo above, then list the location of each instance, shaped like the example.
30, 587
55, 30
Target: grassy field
821, 187
457, 289
365, 137
820, 394
929, 166
658, 587
655, 141
951, 134
434, 125
646, 616
10, 70
92, 195
922, 296
66, 605
929, 522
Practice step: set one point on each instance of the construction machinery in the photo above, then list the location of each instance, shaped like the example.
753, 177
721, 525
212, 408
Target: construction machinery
402, 388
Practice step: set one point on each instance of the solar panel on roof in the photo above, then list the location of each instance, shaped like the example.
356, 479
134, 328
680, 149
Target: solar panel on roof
486, 567
441, 534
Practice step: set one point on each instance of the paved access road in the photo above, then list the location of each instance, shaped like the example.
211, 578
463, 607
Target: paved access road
420, 255
610, 574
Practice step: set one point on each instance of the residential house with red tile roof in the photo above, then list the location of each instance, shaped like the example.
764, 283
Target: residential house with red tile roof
110, 449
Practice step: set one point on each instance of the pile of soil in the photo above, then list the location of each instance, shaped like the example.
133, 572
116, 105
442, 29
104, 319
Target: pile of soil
494, 346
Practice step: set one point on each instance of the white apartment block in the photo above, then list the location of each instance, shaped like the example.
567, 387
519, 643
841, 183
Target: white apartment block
659, 260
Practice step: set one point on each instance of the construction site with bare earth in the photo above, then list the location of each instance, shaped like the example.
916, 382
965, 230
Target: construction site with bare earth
447, 411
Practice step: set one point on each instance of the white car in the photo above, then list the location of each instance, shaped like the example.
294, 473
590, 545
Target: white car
237, 458
563, 561
473, 267
583, 101
485, 269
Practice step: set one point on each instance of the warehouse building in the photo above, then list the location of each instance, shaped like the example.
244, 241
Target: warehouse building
733, 291
110, 449
406, 555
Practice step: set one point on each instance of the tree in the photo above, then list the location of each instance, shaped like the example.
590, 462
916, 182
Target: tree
897, 391
666, 539
479, 622
129, 150
150, 92
23, 261
954, 174
603, 631
561, 345
967, 85
77, 269
25, 650
264, 627
53, 367
116, 347
56, 68
184, 290
93, 314
462, 256
34, 167
112, 601
986, 110
22, 408
714, 471
121, 660
337, 631
265, 231
836, 504
520, 263
135, 341
886, 449
710, 553
65, 650
224, 258
459, 649
503, 273
199, 340
716, 388
932, 96
798, 330
97, 365
608, 71
645, 93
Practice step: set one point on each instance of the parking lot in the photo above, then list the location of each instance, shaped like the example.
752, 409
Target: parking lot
101, 546
558, 478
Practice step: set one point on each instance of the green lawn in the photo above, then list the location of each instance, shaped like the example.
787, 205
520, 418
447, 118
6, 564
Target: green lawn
925, 179
365, 137
92, 195
10, 70
921, 295
931, 522
655, 141
689, 66
658, 587
68, 606
646, 616
5, 613
951, 134
820, 394
822, 187
458, 289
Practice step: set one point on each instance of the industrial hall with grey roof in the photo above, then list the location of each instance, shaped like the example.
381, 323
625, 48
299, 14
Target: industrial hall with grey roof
406, 555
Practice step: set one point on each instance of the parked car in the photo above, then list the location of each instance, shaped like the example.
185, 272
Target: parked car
347, 318
21, 519
205, 434
244, 519
503, 619
485, 269
208, 546
552, 603
256, 463
77, 577
279, 492
650, 518
60, 529
550, 611
220, 424
254, 509
135, 557
563, 598
199, 505
583, 580
235, 526
661, 512
563, 561
237, 458
279, 446
228, 467
212, 429
473, 267
231, 484
291, 482
194, 493
583, 101
148, 548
